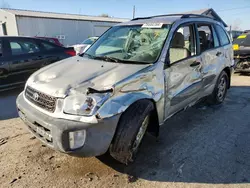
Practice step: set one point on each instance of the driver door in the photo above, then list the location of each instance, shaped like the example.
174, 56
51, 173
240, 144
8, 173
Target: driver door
183, 76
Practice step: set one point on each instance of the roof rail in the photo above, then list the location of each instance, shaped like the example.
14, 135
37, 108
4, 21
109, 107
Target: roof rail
181, 15
196, 15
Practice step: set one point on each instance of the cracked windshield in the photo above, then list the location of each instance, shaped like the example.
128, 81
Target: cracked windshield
132, 44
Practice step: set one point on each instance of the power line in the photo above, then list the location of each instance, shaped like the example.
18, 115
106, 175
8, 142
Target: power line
239, 8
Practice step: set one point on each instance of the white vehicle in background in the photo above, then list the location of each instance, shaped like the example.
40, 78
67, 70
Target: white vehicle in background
81, 48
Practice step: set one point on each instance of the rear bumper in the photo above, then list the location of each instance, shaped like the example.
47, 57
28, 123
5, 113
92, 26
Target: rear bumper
54, 132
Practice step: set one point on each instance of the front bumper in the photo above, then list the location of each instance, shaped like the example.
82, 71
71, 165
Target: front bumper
54, 132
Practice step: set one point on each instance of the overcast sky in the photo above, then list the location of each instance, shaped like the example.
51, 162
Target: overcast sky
234, 12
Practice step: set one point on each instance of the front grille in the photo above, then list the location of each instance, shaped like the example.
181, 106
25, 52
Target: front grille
40, 99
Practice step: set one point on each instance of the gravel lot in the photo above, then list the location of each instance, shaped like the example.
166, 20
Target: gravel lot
201, 147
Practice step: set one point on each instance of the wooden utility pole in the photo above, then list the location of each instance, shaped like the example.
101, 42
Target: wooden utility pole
134, 12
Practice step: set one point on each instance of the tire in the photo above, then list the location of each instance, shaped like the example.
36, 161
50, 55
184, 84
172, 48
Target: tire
125, 145
217, 97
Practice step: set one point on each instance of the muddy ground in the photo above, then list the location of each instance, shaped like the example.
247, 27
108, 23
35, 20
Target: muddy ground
201, 147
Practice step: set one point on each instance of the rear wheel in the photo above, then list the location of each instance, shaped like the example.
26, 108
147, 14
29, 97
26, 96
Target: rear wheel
220, 90
130, 131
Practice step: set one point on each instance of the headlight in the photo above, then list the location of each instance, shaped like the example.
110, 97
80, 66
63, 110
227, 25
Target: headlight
83, 105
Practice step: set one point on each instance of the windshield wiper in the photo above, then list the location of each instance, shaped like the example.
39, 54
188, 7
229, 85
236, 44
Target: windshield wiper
104, 58
113, 59
88, 55
107, 58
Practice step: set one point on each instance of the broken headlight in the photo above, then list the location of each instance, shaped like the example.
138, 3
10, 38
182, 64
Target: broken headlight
83, 105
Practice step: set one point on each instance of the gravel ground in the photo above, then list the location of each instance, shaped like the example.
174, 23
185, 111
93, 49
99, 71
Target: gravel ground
201, 147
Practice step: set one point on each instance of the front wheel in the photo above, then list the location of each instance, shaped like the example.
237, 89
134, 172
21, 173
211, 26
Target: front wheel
130, 131
220, 90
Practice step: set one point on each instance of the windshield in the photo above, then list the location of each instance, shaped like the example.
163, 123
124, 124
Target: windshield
89, 41
130, 44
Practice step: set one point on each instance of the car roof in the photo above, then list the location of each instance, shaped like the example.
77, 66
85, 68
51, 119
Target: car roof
24, 37
169, 19
47, 38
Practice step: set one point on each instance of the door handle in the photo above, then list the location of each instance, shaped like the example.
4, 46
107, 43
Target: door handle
194, 64
218, 53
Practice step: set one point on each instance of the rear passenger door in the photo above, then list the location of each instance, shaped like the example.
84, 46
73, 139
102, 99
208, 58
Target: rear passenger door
183, 76
211, 54
24, 58
225, 45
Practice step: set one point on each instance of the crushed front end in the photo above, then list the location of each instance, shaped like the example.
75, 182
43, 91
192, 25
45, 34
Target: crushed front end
71, 134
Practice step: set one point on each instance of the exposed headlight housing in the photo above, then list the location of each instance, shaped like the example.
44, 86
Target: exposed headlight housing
84, 105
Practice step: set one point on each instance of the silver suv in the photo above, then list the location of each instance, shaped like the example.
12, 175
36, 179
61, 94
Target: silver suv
133, 78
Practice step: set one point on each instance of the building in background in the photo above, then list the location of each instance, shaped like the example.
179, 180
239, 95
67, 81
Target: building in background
68, 28
207, 12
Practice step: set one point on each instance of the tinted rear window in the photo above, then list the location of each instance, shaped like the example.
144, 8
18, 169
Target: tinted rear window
49, 46
243, 40
224, 40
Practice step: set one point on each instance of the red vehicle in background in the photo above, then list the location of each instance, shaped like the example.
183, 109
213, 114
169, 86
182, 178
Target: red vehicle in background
51, 39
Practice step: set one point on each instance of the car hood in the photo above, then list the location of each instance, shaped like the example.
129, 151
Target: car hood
76, 74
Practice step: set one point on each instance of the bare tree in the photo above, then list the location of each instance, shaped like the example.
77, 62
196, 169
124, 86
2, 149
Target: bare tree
236, 24
4, 4
105, 15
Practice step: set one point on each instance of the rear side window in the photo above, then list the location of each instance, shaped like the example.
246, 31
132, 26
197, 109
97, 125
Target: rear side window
23, 47
206, 37
224, 40
216, 39
48, 46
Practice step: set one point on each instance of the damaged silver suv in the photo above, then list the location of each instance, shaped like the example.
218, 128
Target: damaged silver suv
133, 78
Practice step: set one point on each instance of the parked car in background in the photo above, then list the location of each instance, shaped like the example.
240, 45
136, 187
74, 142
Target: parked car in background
81, 48
241, 47
234, 34
21, 56
52, 40
130, 81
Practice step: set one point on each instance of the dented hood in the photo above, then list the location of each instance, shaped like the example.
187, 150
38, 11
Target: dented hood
78, 73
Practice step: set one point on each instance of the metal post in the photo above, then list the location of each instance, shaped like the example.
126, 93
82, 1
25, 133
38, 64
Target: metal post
133, 12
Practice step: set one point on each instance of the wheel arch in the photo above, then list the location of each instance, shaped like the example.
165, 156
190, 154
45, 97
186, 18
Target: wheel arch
228, 71
121, 105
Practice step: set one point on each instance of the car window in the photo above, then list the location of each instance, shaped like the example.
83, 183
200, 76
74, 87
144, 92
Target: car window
52, 41
224, 40
48, 46
23, 47
89, 41
206, 37
216, 39
182, 45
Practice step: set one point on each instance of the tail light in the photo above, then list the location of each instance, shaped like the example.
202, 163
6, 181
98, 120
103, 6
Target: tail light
70, 52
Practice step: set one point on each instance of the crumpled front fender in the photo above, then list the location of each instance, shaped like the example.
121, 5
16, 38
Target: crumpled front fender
147, 84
